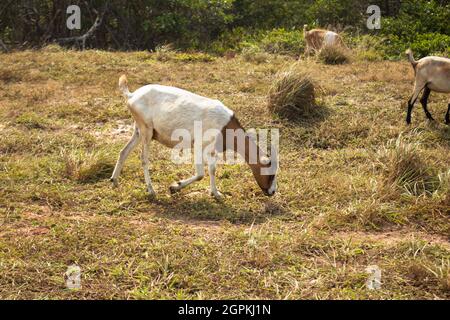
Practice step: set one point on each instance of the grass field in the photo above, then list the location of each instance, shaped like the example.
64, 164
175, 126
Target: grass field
343, 204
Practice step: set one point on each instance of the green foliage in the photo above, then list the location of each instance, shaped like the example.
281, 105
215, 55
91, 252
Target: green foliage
283, 41
253, 53
420, 25
367, 47
431, 43
334, 12
269, 14
218, 26
418, 17
421, 44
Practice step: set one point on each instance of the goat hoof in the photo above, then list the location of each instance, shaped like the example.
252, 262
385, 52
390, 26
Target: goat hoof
114, 182
217, 195
151, 192
174, 188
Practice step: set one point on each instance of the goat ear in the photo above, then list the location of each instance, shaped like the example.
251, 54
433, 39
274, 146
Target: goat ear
264, 160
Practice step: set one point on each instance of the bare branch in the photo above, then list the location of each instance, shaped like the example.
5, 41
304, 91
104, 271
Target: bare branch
82, 39
3, 46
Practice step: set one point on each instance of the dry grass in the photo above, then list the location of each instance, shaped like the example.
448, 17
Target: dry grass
255, 54
87, 167
406, 167
61, 133
333, 55
292, 94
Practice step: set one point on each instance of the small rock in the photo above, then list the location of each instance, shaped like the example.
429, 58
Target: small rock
73, 277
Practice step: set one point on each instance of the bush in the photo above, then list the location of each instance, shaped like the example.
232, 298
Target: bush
333, 55
292, 94
281, 41
254, 54
421, 44
431, 44
368, 47
164, 52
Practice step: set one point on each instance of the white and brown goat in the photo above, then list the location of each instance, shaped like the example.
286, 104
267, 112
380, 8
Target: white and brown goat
159, 111
316, 39
431, 74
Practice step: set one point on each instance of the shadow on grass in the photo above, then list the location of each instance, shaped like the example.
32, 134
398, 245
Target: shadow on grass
206, 208
99, 171
307, 117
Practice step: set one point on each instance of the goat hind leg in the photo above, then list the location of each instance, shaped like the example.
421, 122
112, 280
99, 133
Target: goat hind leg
412, 101
424, 102
212, 178
145, 163
447, 115
200, 173
124, 153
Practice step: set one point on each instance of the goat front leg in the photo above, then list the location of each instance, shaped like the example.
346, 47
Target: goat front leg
212, 178
307, 51
447, 115
145, 162
124, 153
200, 173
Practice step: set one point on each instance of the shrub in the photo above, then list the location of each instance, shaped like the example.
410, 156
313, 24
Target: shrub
164, 52
232, 40
254, 54
421, 44
430, 43
292, 94
368, 47
333, 55
369, 55
282, 41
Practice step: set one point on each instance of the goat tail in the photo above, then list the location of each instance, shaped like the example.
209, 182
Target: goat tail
410, 56
123, 86
305, 29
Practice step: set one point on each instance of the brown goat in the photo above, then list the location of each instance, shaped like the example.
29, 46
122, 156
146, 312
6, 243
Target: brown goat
316, 39
432, 74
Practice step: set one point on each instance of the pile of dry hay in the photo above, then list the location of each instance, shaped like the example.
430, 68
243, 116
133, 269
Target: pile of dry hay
292, 94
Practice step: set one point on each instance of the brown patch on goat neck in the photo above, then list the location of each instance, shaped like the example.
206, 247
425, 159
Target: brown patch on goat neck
264, 181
